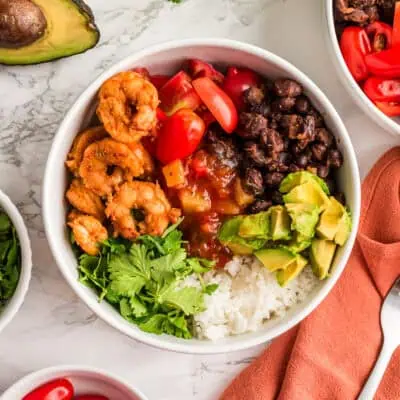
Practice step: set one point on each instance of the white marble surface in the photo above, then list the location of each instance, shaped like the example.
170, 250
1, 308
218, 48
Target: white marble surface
53, 326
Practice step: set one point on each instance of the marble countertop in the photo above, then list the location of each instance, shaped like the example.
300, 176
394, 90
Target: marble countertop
54, 326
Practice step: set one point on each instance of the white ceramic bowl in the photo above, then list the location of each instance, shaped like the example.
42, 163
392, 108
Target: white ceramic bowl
167, 58
16, 301
391, 125
86, 380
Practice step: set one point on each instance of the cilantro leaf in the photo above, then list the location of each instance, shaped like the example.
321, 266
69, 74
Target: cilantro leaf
211, 288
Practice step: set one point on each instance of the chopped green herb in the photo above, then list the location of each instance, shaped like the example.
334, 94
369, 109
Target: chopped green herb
10, 259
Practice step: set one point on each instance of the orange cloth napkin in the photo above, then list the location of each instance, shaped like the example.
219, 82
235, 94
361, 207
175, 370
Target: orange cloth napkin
331, 353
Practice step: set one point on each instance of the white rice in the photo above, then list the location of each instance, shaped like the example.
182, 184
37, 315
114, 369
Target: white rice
248, 295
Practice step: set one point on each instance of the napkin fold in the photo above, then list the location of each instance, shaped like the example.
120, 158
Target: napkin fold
330, 354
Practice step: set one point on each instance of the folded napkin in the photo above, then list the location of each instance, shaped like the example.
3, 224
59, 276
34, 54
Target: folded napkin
330, 354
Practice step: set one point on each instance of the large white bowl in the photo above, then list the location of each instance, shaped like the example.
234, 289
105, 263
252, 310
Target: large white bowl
16, 301
86, 380
167, 58
389, 124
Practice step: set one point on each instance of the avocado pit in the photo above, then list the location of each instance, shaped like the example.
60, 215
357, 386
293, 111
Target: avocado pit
22, 22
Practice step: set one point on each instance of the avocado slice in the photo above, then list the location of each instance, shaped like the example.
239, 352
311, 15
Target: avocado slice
298, 178
330, 219
69, 29
284, 276
298, 243
280, 223
344, 229
228, 235
321, 257
304, 218
275, 258
256, 226
308, 193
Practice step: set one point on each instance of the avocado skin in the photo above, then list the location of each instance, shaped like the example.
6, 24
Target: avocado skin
84, 10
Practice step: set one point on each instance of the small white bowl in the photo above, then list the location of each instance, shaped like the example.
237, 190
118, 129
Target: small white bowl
86, 380
11, 309
167, 58
389, 124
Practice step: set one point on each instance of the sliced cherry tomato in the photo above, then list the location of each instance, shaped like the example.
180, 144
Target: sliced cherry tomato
201, 69
179, 136
142, 71
206, 116
59, 389
159, 80
390, 109
237, 81
382, 89
355, 45
91, 397
218, 102
396, 25
385, 64
178, 93
380, 35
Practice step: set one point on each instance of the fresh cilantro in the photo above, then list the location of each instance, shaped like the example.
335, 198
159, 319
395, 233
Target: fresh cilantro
10, 259
211, 288
175, 1
143, 281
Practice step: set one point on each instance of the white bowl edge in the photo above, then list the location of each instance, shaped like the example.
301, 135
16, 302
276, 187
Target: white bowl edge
388, 124
197, 346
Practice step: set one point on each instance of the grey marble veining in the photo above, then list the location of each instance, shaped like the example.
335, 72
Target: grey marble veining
53, 326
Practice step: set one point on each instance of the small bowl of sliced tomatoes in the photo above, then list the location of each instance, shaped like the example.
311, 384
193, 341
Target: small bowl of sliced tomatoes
72, 383
365, 47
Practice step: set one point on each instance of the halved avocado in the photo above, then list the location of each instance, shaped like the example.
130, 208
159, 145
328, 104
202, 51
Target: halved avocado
68, 29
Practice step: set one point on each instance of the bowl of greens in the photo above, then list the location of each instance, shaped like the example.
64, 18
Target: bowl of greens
15, 260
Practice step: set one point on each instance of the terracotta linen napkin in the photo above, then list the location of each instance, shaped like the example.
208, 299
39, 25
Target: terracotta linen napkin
330, 354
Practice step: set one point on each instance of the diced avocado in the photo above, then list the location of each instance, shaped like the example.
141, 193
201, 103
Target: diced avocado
276, 258
228, 235
284, 276
304, 218
298, 178
308, 193
68, 28
256, 226
280, 223
298, 243
321, 257
344, 229
330, 219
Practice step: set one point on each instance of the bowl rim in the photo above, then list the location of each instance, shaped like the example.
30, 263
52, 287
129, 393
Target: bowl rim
62, 370
206, 347
16, 301
349, 82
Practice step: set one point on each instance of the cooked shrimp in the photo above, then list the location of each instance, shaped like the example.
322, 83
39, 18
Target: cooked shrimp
144, 197
102, 156
88, 232
142, 154
85, 200
81, 142
127, 106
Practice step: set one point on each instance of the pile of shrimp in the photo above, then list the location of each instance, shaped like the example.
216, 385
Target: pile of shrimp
112, 190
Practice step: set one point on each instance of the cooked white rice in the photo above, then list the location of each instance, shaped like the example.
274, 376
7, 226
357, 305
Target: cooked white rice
248, 295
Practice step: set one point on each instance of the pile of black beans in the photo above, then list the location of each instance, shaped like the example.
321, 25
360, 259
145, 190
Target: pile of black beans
279, 132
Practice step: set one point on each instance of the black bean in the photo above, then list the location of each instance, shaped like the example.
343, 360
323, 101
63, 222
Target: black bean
259, 206
255, 154
302, 160
283, 104
318, 151
322, 171
291, 124
324, 136
273, 141
303, 105
251, 125
335, 158
277, 197
273, 179
263, 109
294, 168
331, 185
253, 96
319, 121
287, 88
253, 181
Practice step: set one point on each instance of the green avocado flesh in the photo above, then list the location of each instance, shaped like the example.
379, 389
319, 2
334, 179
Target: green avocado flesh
70, 30
274, 259
284, 276
321, 257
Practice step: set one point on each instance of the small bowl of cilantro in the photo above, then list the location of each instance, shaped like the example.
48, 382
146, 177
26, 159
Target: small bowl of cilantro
15, 260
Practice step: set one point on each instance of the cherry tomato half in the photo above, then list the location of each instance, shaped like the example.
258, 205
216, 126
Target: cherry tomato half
390, 109
179, 136
59, 389
218, 102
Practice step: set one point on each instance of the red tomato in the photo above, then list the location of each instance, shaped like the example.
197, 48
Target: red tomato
382, 89
396, 25
159, 80
385, 64
380, 35
218, 102
179, 136
142, 71
355, 45
91, 397
200, 69
390, 109
237, 81
59, 389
